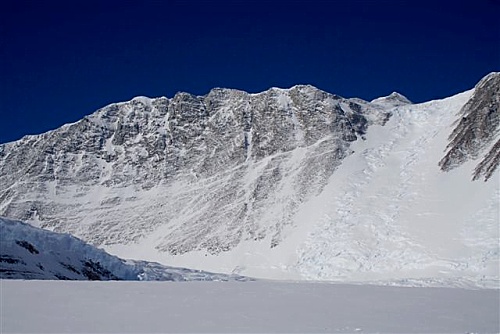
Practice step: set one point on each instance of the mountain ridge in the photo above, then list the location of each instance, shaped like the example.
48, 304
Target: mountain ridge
216, 180
478, 128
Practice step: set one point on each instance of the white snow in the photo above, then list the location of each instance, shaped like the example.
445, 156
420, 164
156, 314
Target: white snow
242, 307
388, 212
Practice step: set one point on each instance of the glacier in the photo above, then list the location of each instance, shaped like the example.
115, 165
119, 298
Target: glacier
249, 307
31, 253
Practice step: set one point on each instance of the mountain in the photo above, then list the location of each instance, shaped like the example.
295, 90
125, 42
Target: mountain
206, 169
478, 131
28, 252
393, 100
287, 183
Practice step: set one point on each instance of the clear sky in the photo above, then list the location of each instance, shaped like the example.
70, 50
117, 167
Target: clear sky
60, 61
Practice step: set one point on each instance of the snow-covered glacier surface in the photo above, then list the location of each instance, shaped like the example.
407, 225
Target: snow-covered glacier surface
289, 183
236, 307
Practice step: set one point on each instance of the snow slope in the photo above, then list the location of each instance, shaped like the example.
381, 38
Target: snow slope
251, 307
27, 252
388, 212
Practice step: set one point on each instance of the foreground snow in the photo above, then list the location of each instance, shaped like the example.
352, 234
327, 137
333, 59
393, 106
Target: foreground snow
262, 306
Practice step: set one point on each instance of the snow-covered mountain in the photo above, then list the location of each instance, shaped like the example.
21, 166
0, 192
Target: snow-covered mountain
287, 183
205, 170
28, 252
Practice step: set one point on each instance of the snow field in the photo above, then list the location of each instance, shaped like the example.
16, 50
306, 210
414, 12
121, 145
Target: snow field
242, 307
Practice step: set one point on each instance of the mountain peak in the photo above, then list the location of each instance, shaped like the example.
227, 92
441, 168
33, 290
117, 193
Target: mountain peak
492, 79
395, 99
295, 88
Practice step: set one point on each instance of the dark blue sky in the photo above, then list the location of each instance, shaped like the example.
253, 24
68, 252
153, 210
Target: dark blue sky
63, 60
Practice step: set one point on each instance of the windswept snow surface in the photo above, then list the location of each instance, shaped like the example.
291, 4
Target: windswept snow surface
239, 307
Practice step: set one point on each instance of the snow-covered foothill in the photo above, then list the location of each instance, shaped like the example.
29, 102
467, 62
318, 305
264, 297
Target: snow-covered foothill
27, 252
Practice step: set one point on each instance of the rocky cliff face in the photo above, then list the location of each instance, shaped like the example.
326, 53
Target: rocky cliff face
132, 167
478, 131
